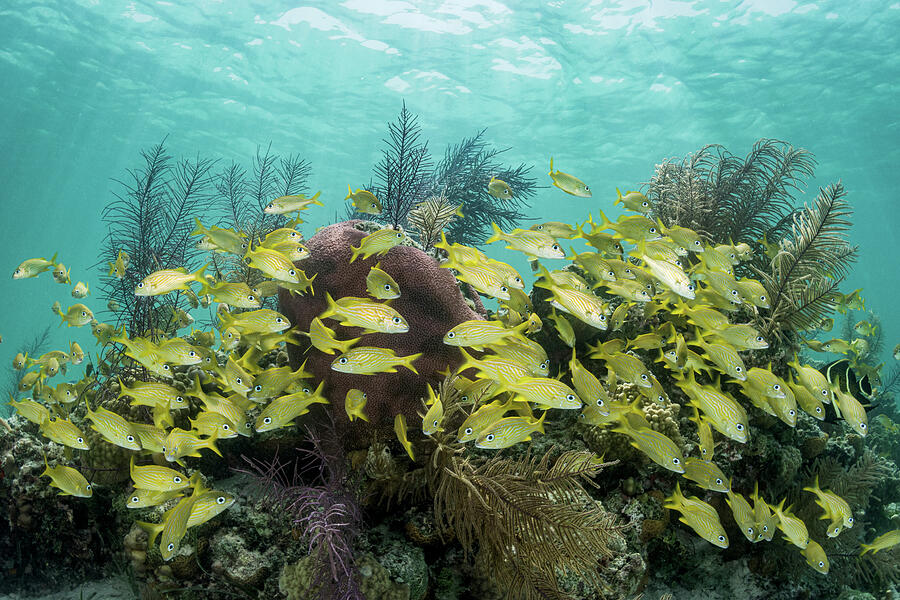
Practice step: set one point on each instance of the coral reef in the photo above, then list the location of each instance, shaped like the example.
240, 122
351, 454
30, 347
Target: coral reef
430, 301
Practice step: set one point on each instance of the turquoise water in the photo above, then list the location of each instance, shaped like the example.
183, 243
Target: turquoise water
608, 89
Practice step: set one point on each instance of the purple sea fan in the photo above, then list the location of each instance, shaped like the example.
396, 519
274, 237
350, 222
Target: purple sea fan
326, 513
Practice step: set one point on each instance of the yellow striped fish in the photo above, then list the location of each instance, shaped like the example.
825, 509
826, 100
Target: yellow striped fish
264, 320
180, 443
815, 557
63, 431
270, 383
545, 392
368, 360
503, 370
157, 478
376, 243
699, 516
144, 498
282, 411
168, 280
213, 424
743, 515
273, 264
706, 474
589, 388
354, 404
661, 450
431, 422
152, 437
793, 528
484, 279
381, 285
509, 431
293, 203
69, 481
233, 294
849, 408
401, 430
235, 378
724, 356
722, 411
30, 410
324, 339
362, 312
113, 427
479, 420
585, 307
478, 333
882, 542
813, 380
536, 244
526, 351
742, 337
151, 393
836, 508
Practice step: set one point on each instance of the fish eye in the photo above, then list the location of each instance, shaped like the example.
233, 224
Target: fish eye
170, 547
435, 424
629, 271
267, 420
220, 500
364, 396
468, 431
251, 298
837, 530
554, 247
306, 390
226, 427
83, 313
821, 565
130, 439
645, 204
135, 499
849, 519
602, 318
697, 242
738, 369
611, 273
703, 451
587, 189
279, 320
763, 298
271, 205
257, 388
759, 338
238, 380
734, 292
343, 360
819, 410
489, 437
824, 392
750, 530
718, 481
80, 440
451, 335
504, 289
739, 426
140, 285
599, 401
721, 538
653, 230
177, 478
862, 425
777, 387
292, 272
792, 412
691, 287
387, 286
397, 320
644, 377
570, 397
179, 399
676, 461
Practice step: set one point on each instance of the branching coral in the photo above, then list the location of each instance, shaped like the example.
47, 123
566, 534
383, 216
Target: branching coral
726, 198
430, 217
326, 515
151, 220
804, 275
407, 175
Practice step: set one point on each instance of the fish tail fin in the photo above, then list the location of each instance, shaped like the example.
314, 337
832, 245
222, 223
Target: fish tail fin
546, 280
551, 166
210, 442
619, 198
199, 229
867, 548
345, 345
408, 361
497, 236
153, 530
199, 277
604, 221
539, 426
443, 244
314, 199
349, 192
356, 251
331, 307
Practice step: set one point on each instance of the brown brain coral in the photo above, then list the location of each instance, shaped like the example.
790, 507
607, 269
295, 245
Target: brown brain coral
430, 301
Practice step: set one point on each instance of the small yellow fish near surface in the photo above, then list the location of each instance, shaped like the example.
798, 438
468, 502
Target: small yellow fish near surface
364, 201
381, 285
168, 280
635, 201
499, 189
61, 274
354, 403
882, 542
33, 267
80, 290
368, 360
400, 430
78, 315
569, 183
288, 204
365, 313
377, 242
536, 244
69, 481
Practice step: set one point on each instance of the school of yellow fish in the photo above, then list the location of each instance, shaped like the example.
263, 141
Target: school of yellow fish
633, 266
